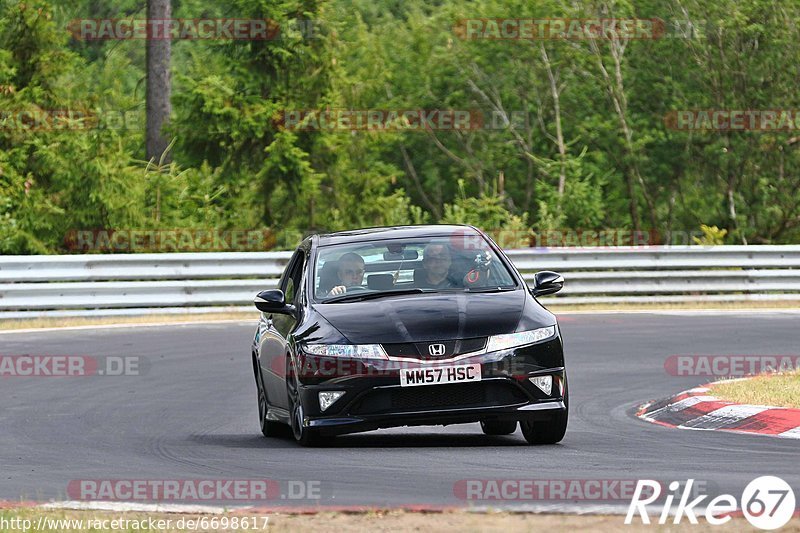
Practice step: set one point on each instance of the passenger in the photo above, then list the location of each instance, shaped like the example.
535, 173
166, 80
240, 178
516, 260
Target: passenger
350, 272
435, 271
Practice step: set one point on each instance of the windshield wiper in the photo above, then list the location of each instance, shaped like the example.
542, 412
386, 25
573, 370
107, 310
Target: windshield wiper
489, 289
373, 295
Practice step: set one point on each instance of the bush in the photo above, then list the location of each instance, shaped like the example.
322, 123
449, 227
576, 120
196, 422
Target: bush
490, 215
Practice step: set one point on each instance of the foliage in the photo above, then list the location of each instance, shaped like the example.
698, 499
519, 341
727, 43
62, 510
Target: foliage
712, 236
568, 134
489, 213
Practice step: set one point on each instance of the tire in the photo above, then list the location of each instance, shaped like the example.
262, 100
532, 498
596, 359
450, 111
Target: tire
547, 431
498, 427
304, 435
269, 428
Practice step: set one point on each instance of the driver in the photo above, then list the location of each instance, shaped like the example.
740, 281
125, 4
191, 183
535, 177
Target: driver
350, 273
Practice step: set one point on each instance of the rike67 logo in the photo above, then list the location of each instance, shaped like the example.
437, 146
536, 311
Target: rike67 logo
767, 502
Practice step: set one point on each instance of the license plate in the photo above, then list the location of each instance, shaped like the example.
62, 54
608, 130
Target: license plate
414, 377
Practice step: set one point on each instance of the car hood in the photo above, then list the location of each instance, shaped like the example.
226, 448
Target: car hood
426, 317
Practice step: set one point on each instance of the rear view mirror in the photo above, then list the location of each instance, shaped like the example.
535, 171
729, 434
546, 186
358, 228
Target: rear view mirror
404, 255
547, 282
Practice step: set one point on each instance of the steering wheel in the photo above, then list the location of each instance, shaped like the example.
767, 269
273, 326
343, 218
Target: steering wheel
356, 288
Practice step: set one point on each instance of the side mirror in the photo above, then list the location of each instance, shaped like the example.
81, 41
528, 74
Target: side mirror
272, 301
547, 282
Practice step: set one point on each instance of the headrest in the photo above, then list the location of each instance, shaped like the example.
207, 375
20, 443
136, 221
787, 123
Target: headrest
328, 277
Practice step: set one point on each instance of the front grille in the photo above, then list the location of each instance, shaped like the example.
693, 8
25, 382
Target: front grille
419, 350
459, 394
448, 396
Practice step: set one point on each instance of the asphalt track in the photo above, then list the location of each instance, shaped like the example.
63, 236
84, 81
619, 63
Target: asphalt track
193, 415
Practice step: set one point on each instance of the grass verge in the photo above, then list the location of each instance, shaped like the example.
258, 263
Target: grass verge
777, 390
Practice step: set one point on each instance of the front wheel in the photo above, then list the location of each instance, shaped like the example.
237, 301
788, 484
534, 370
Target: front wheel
548, 431
304, 435
269, 428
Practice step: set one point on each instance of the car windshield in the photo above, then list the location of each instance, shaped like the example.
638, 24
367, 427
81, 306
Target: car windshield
369, 270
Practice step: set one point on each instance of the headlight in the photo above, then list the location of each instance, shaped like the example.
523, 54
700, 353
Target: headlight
353, 351
512, 340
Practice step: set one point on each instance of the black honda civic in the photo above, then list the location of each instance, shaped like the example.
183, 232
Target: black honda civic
408, 326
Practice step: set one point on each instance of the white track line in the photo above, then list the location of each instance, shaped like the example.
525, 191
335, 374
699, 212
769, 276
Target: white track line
653, 510
131, 325
534, 507
552, 508
136, 507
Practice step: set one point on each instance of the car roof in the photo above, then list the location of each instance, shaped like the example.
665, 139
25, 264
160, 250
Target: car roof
394, 232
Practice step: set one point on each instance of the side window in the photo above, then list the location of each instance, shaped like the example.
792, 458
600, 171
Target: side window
289, 292
293, 276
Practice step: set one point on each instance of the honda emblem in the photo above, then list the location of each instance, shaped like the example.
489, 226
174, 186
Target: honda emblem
436, 349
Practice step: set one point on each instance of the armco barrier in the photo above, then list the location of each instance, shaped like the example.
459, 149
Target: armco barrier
210, 282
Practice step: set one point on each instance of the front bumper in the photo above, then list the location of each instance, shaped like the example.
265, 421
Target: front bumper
340, 426
374, 399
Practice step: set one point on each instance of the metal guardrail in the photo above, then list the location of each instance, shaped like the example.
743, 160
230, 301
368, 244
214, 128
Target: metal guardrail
77, 285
